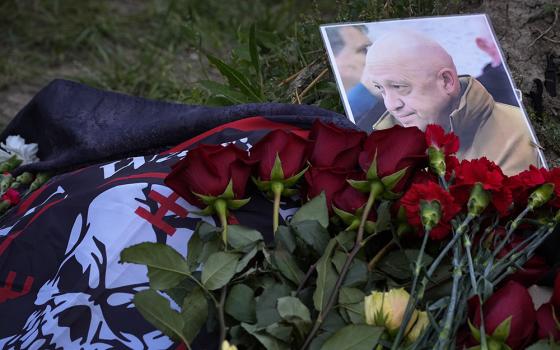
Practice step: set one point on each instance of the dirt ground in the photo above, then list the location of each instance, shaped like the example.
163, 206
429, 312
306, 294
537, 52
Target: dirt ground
528, 30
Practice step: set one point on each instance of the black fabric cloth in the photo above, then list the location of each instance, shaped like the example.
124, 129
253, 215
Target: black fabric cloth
76, 125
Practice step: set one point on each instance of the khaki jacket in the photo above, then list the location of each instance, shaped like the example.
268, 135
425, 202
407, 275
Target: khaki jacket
487, 128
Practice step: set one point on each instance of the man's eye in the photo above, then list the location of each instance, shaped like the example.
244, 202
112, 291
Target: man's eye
378, 87
398, 87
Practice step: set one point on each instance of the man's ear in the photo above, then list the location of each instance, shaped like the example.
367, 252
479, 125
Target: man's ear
448, 80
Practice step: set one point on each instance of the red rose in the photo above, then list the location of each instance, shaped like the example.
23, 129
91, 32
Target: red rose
292, 149
547, 316
397, 148
481, 171
429, 192
350, 200
512, 300
12, 196
437, 138
334, 146
207, 170
325, 179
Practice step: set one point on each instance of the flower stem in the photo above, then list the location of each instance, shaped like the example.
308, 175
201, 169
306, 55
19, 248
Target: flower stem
512, 228
411, 305
376, 189
220, 206
277, 188
380, 254
221, 317
445, 334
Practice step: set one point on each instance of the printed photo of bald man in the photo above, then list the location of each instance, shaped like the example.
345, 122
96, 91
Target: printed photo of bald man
443, 70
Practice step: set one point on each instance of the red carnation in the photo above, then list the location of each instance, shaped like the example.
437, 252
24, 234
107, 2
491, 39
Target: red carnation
335, 147
292, 150
486, 173
12, 196
437, 138
207, 170
513, 302
429, 192
524, 183
396, 148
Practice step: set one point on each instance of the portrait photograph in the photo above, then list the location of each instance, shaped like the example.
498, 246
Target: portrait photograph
448, 71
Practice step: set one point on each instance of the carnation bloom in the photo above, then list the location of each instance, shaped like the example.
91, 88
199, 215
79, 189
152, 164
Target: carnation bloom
419, 194
488, 175
438, 139
12, 196
525, 183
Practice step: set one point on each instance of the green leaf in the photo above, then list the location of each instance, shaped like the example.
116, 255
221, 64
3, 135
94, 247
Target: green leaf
390, 181
277, 173
156, 310
349, 295
236, 79
315, 209
287, 265
254, 51
291, 307
243, 238
312, 233
355, 337
219, 269
285, 238
319, 340
246, 259
280, 331
357, 274
194, 249
397, 264
269, 343
208, 249
346, 239
383, 222
333, 322
194, 313
224, 91
267, 313
240, 303
206, 232
162, 280
326, 278
166, 266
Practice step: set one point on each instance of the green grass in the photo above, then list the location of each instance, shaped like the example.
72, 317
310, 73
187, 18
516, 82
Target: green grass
159, 49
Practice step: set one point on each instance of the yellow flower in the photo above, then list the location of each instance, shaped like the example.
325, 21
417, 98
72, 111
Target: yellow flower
227, 346
387, 310
421, 323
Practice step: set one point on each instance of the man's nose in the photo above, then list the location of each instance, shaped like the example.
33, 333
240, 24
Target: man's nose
392, 101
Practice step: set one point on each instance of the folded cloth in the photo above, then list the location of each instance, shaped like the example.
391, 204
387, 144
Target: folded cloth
60, 279
76, 125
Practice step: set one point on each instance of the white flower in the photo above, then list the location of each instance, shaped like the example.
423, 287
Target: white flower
15, 145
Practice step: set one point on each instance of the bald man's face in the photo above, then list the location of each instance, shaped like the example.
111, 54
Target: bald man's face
411, 93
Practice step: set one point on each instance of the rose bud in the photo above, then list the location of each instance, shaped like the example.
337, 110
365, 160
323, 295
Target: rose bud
440, 146
349, 205
335, 147
509, 316
212, 177
430, 207
327, 180
389, 159
387, 309
227, 346
280, 157
421, 323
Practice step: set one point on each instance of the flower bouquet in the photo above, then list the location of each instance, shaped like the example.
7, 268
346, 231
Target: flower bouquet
397, 244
